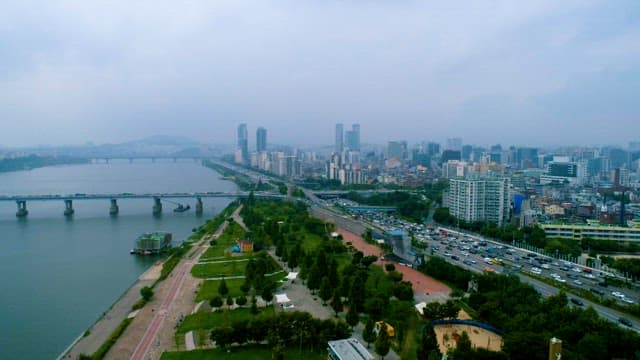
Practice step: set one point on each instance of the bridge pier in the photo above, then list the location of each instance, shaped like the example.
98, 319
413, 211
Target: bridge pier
114, 209
68, 207
22, 208
157, 206
198, 205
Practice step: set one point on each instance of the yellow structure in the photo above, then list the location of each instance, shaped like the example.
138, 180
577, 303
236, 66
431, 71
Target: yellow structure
390, 330
555, 349
245, 245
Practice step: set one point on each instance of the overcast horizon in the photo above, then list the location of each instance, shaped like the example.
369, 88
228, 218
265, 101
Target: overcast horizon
541, 74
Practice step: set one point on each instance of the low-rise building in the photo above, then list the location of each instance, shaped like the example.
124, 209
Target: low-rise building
348, 349
596, 232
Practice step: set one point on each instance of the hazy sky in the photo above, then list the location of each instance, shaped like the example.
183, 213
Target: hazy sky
514, 72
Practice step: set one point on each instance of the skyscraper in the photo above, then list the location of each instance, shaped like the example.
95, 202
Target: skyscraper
339, 138
353, 138
243, 142
261, 139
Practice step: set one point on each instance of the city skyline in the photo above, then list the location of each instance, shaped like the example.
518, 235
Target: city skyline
549, 73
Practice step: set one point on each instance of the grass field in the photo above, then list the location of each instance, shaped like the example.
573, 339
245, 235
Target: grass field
209, 288
231, 268
243, 353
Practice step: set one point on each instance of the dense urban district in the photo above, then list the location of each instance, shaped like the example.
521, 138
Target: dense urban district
422, 252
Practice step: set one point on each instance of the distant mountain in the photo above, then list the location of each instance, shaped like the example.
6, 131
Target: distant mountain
165, 140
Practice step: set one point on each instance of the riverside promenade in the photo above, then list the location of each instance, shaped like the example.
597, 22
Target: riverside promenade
109, 321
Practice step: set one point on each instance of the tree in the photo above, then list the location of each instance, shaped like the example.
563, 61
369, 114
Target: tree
463, 348
336, 304
146, 293
245, 287
383, 344
222, 336
229, 301
216, 302
223, 290
325, 290
241, 301
368, 260
428, 343
267, 294
352, 317
254, 305
450, 309
368, 334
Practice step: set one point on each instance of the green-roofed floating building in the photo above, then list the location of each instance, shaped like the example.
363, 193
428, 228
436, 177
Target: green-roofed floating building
152, 243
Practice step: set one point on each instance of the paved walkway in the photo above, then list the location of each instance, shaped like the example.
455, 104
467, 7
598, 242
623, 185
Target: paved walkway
152, 331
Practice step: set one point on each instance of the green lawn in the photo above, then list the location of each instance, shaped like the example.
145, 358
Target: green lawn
232, 268
209, 320
209, 289
215, 252
242, 353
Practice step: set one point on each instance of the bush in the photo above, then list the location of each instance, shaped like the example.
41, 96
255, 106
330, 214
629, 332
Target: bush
146, 293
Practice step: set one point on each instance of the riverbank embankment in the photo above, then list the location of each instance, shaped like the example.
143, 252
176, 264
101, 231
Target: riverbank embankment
99, 332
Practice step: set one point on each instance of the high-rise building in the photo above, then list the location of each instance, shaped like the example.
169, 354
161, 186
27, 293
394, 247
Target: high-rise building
526, 158
353, 138
397, 149
261, 139
479, 199
433, 148
243, 142
467, 150
339, 138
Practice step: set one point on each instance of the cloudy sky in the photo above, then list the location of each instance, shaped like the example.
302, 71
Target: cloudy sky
512, 72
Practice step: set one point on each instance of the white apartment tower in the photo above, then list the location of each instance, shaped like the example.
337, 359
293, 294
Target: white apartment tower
479, 199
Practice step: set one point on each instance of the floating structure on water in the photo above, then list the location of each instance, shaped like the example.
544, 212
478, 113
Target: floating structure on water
152, 243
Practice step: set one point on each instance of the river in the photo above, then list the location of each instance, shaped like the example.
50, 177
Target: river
60, 274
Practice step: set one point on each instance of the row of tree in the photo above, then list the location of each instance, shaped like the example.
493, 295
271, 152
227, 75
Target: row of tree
287, 329
409, 205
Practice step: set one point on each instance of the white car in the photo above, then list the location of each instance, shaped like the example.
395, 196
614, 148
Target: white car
554, 275
545, 266
575, 269
559, 279
618, 294
577, 282
628, 301
536, 271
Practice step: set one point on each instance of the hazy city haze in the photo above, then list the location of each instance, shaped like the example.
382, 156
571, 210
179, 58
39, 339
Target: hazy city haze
545, 72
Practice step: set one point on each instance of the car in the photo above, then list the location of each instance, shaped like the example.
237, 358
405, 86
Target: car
577, 301
625, 321
454, 257
577, 282
545, 266
627, 300
617, 294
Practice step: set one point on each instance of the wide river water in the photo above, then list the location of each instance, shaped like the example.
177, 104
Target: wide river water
59, 275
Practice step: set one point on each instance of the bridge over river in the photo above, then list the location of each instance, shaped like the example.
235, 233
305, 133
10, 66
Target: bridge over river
21, 200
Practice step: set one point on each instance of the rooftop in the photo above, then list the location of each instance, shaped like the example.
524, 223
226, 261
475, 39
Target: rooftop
349, 349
